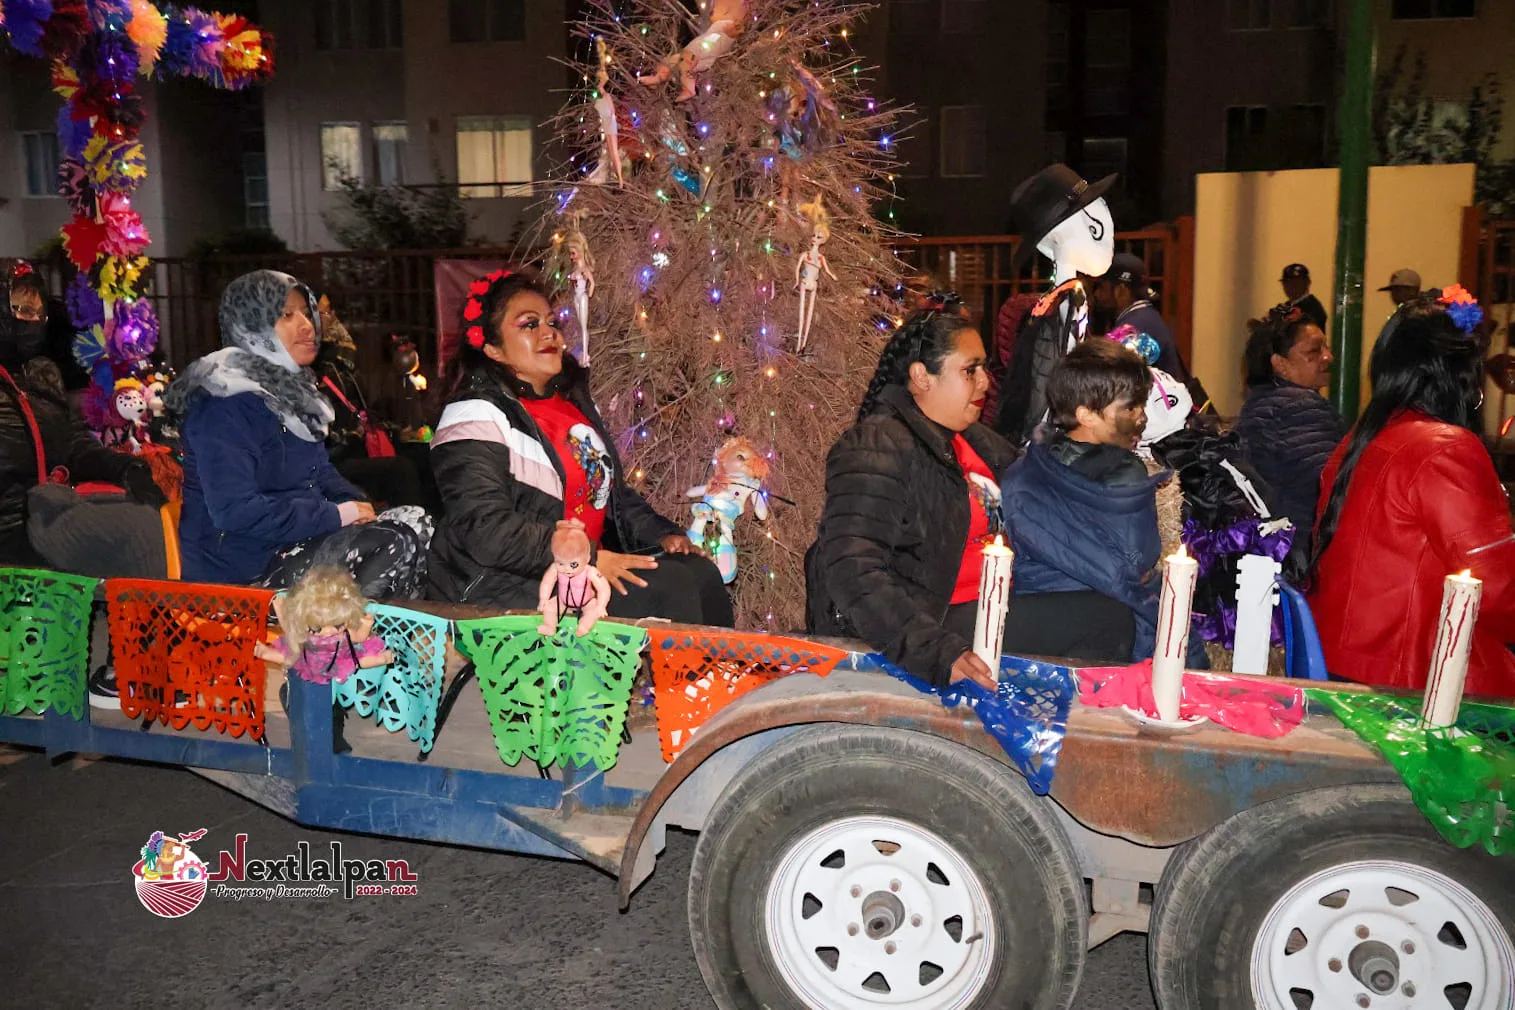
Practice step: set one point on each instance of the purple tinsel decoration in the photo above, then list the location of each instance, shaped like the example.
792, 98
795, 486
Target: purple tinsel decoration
1209, 547
1220, 627
192, 47
135, 333
73, 134
111, 15
25, 19
85, 309
113, 58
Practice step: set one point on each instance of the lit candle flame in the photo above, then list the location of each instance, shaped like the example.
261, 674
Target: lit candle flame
1182, 553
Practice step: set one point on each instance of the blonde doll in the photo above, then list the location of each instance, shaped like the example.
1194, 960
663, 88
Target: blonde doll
328, 632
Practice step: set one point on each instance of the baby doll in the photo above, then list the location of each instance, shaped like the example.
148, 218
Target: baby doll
328, 632
572, 585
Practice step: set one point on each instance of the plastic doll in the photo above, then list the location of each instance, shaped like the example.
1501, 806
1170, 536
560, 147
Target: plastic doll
726, 17
572, 585
328, 632
807, 269
740, 472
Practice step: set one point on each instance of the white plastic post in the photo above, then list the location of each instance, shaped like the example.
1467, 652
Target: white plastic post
1256, 596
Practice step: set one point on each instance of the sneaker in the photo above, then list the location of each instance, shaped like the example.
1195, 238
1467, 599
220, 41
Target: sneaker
102, 689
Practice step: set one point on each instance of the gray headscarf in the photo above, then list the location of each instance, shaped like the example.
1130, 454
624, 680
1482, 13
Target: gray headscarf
253, 360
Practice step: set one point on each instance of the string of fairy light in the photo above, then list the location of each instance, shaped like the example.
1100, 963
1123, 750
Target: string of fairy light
654, 404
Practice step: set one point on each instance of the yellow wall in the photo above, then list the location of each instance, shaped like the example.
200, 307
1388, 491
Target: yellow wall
1249, 225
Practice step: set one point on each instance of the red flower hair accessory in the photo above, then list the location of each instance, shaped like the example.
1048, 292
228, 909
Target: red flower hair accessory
473, 309
22, 269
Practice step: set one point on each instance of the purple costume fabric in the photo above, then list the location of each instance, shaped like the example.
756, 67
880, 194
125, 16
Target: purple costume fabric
328, 658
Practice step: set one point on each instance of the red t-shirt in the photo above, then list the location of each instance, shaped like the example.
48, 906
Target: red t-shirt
983, 518
587, 473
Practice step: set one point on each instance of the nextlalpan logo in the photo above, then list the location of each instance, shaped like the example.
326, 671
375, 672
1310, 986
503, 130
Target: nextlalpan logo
172, 881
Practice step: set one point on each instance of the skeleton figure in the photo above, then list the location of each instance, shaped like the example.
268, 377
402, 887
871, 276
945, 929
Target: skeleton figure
740, 472
571, 585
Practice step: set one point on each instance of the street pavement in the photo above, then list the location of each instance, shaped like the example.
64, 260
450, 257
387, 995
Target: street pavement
484, 930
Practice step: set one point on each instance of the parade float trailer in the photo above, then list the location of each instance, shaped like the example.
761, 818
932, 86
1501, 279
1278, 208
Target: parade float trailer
863, 842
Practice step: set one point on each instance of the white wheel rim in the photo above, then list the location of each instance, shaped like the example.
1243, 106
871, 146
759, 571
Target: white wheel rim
890, 876
1322, 945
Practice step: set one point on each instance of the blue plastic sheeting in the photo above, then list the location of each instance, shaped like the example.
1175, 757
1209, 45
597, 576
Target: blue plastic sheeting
1028, 715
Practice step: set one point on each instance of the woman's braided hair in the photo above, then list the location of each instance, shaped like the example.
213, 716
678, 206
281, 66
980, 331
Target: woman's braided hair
927, 337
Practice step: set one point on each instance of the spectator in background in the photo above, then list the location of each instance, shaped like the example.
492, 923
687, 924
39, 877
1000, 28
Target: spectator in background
355, 433
1403, 286
31, 304
1123, 291
1409, 498
1287, 428
1296, 282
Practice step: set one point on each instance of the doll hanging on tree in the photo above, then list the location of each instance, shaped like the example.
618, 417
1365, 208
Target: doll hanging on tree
610, 131
700, 55
807, 269
581, 276
740, 473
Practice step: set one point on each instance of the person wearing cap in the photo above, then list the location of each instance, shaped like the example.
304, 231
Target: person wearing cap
1065, 218
1403, 286
1123, 290
1296, 282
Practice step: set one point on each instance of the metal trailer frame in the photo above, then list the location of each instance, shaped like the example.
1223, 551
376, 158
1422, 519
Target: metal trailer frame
1125, 796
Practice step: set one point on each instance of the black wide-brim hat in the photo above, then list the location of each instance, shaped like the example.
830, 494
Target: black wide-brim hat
1047, 199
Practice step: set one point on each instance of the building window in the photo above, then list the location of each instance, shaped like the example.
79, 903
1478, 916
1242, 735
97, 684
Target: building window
486, 20
494, 156
1418, 10
963, 17
41, 155
386, 24
341, 154
1249, 15
1104, 156
334, 23
255, 189
389, 141
1306, 13
1107, 63
963, 141
910, 17
1259, 139
1057, 64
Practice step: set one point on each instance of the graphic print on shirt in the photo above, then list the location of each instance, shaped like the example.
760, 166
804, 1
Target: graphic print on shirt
986, 495
589, 452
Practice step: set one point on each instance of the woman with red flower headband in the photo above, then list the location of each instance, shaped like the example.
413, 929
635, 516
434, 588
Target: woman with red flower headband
519, 449
1409, 497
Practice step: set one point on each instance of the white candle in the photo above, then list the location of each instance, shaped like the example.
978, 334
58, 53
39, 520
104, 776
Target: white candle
1179, 576
994, 584
1454, 639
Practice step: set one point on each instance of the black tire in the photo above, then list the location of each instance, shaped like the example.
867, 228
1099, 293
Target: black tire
1008, 837
1217, 889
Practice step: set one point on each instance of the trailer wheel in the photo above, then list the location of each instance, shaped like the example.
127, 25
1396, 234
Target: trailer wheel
854, 867
1332, 900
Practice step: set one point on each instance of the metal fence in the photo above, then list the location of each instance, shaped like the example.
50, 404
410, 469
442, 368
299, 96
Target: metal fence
982, 269
388, 291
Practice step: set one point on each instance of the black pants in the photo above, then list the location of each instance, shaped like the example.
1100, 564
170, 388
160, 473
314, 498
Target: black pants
684, 588
1083, 625
387, 559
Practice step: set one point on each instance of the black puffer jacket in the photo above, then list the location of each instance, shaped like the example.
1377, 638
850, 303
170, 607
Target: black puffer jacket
886, 556
1287, 434
495, 538
66, 444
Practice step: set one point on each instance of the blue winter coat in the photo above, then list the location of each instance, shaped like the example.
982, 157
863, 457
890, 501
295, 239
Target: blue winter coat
1073, 534
1287, 433
250, 488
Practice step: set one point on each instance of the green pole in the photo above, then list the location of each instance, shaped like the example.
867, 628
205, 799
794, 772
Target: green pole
1352, 209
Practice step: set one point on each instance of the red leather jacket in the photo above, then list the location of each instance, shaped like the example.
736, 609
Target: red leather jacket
1424, 502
